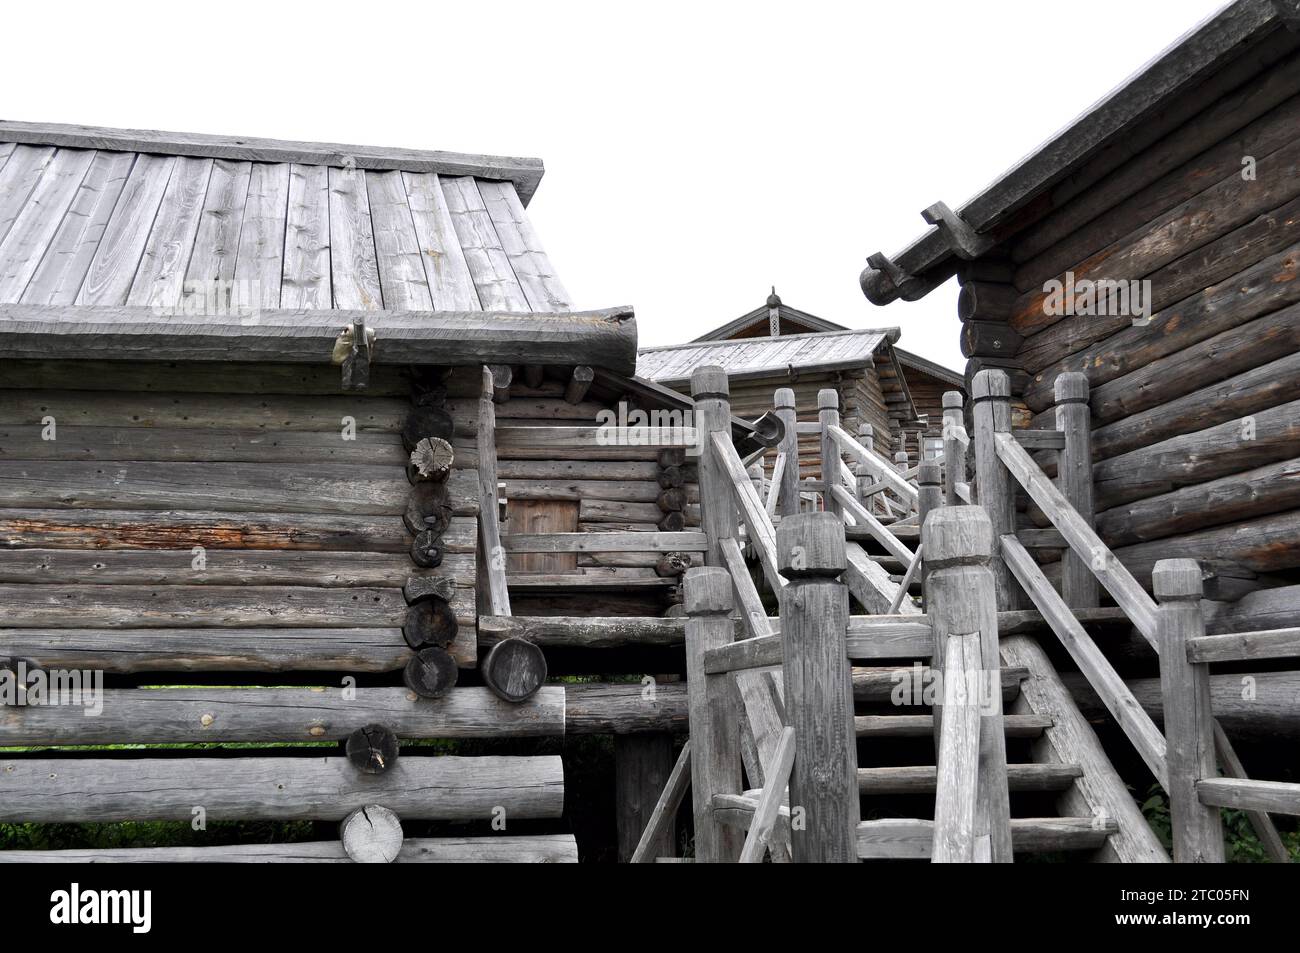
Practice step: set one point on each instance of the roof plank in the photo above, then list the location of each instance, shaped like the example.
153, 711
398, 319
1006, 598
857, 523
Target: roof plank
161, 273
305, 281
532, 267
444, 260
260, 260
112, 270
353, 268
34, 227
402, 277
216, 244
498, 288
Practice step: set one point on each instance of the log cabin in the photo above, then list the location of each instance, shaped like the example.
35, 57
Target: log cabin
315, 415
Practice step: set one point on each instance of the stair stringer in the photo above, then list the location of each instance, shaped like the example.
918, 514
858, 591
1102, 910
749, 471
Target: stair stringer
1100, 792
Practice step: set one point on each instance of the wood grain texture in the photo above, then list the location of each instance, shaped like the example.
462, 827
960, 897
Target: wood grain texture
354, 271
160, 277
305, 276
112, 269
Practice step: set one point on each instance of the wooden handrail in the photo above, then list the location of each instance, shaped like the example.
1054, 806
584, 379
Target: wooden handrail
1096, 668
1081, 537
957, 784
880, 468
757, 524
774, 488
877, 529
756, 619
912, 569
1241, 646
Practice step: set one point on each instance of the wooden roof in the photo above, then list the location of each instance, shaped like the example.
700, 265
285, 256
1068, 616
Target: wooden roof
919, 363
760, 318
827, 350
129, 218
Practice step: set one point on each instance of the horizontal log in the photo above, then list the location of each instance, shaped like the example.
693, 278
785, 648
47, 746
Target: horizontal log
878, 684
201, 377
1241, 646
218, 412
986, 301
647, 491
922, 779
234, 487
1260, 706
524, 438
604, 542
616, 470
913, 839
1266, 287
922, 726
441, 788
496, 849
625, 708
1264, 437
605, 339
758, 652
1268, 385
137, 529
1248, 794
205, 445
222, 567
589, 579
613, 511
282, 715
62, 606
1276, 608
582, 631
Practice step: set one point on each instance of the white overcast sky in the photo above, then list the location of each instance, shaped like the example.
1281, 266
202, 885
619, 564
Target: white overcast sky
696, 152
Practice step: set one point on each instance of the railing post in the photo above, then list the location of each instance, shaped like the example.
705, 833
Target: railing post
991, 397
929, 499
715, 728
1189, 719
867, 437
718, 516
787, 503
819, 689
1074, 478
828, 415
954, 454
959, 548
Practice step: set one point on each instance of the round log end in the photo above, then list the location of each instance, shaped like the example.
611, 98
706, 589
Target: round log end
673, 522
672, 457
372, 835
432, 459
810, 544
430, 622
372, 749
673, 564
427, 549
671, 477
514, 670
427, 507
430, 673
671, 500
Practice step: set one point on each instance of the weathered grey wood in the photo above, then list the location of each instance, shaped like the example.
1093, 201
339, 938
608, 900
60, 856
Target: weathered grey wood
896, 636
498, 287
112, 269
430, 673
216, 242
880, 468
498, 848
715, 755
656, 835
1041, 439
1092, 662
579, 384
354, 270
444, 788
620, 708
515, 669
962, 599
758, 839
922, 726
923, 779
879, 684
955, 445
1189, 730
1241, 646
226, 715
912, 575
605, 542
522, 247
372, 749
398, 253
828, 416
757, 623
262, 236
305, 279
956, 804
1074, 479
1112, 574
582, 631
31, 230
871, 584
991, 408
741, 494
849, 504
754, 652
788, 487
1244, 794
912, 839
818, 689
371, 835
493, 555
606, 339
1262, 824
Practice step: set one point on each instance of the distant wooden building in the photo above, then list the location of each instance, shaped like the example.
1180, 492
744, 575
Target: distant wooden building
898, 393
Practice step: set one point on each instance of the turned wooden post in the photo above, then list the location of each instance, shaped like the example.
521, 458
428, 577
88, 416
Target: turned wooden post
1189, 719
959, 548
991, 397
787, 502
954, 454
713, 415
929, 499
818, 689
1074, 479
715, 734
828, 415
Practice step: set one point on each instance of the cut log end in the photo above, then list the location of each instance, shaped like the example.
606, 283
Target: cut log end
427, 549
673, 564
372, 749
515, 669
432, 459
372, 835
431, 622
427, 508
431, 673
426, 421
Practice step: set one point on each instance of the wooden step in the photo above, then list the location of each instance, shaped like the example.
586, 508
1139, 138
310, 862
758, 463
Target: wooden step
922, 726
921, 779
911, 838
877, 683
